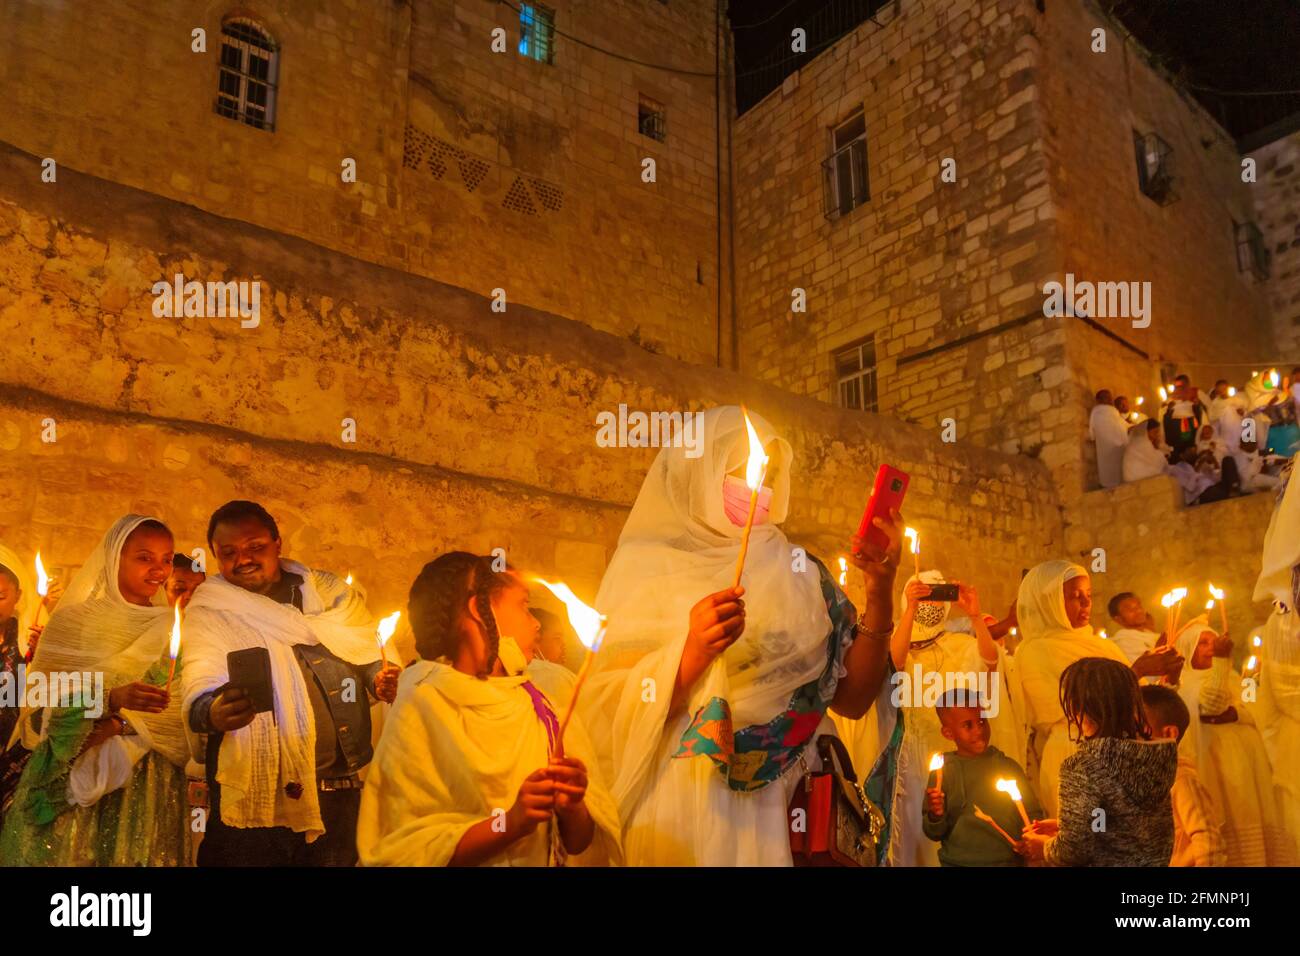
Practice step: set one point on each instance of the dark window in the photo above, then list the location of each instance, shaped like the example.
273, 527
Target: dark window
651, 119
1155, 166
1252, 254
845, 170
247, 75
855, 375
537, 32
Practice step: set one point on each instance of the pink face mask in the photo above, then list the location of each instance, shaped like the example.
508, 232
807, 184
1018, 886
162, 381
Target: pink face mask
735, 501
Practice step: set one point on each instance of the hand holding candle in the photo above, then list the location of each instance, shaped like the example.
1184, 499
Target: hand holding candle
914, 537
175, 648
385, 631
1012, 789
936, 768
981, 815
755, 471
1218, 595
589, 625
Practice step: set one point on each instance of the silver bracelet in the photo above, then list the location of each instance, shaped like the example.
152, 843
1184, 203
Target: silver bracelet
875, 635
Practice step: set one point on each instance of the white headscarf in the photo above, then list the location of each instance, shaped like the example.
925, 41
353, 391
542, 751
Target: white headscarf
25, 609
1279, 579
677, 547
96, 629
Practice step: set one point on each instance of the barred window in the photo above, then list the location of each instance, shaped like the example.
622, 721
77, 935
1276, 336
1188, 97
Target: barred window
855, 375
246, 83
651, 119
537, 32
845, 170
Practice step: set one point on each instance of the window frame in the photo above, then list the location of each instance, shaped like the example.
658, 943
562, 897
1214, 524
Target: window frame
854, 153
865, 377
531, 17
236, 106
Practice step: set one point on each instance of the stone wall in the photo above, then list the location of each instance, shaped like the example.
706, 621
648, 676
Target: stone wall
1153, 544
1277, 204
483, 170
473, 428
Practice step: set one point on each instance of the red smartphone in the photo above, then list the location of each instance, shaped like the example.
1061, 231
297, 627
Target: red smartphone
886, 494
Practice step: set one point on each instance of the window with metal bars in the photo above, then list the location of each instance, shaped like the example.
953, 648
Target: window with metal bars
1252, 253
845, 171
246, 84
537, 32
855, 375
651, 119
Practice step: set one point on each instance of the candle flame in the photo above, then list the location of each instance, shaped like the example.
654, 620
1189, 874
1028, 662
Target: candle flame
387, 626
1141, 399
587, 622
176, 633
1232, 390
1167, 599
1209, 605
42, 579
758, 459
1164, 396
348, 582
1102, 634
1273, 377
1009, 787
1179, 594
1250, 664
936, 762
1258, 641
844, 571
1216, 593
911, 534
1015, 631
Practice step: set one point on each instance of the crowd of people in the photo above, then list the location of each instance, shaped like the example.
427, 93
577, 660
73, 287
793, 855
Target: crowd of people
1229, 442
701, 716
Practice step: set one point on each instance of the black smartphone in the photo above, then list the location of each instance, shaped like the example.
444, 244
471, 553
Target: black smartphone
250, 671
942, 592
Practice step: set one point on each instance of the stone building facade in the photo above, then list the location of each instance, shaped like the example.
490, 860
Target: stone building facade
1278, 203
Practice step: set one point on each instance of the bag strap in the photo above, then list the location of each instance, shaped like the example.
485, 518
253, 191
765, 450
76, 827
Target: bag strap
835, 757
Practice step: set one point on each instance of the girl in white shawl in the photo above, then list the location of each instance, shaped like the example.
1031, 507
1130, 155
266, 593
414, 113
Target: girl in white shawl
924, 645
105, 784
703, 698
1229, 753
470, 769
1054, 608
1278, 707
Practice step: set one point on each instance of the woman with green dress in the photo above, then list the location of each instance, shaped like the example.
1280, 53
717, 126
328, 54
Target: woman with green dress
105, 785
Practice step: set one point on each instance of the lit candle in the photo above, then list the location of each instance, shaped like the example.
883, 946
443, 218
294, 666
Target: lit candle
1167, 602
42, 587
1178, 594
844, 571
1258, 641
981, 815
914, 536
348, 582
1273, 378
1011, 789
936, 768
1140, 400
1232, 391
1218, 595
1250, 664
384, 631
175, 648
1164, 396
1102, 634
754, 472
589, 625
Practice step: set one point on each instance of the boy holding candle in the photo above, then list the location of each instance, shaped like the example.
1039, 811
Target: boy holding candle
969, 780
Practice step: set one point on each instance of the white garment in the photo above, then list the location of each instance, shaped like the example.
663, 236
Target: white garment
1278, 714
677, 547
1230, 759
454, 753
1193, 482
1107, 427
1141, 458
1050, 645
278, 748
1133, 642
104, 768
1250, 467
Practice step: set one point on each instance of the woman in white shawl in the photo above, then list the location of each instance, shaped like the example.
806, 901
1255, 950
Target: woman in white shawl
925, 644
470, 769
1054, 608
701, 703
1278, 707
1228, 750
105, 784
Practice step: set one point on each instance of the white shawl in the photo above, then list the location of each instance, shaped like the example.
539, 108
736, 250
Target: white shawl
1141, 458
257, 762
96, 630
1278, 576
677, 547
1107, 427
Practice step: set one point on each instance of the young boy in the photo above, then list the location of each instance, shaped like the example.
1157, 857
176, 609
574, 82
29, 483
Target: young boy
1197, 840
970, 775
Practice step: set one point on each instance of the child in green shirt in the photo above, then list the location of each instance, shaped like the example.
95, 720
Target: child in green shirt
970, 775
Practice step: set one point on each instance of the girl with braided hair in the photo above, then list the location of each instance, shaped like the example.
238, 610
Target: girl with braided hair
466, 772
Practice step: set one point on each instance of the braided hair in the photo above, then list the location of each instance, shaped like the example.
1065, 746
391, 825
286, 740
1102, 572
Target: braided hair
437, 603
1107, 692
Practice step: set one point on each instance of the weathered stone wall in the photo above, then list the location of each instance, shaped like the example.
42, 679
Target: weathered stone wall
1153, 544
474, 429
483, 170
925, 264
1277, 205
1206, 315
